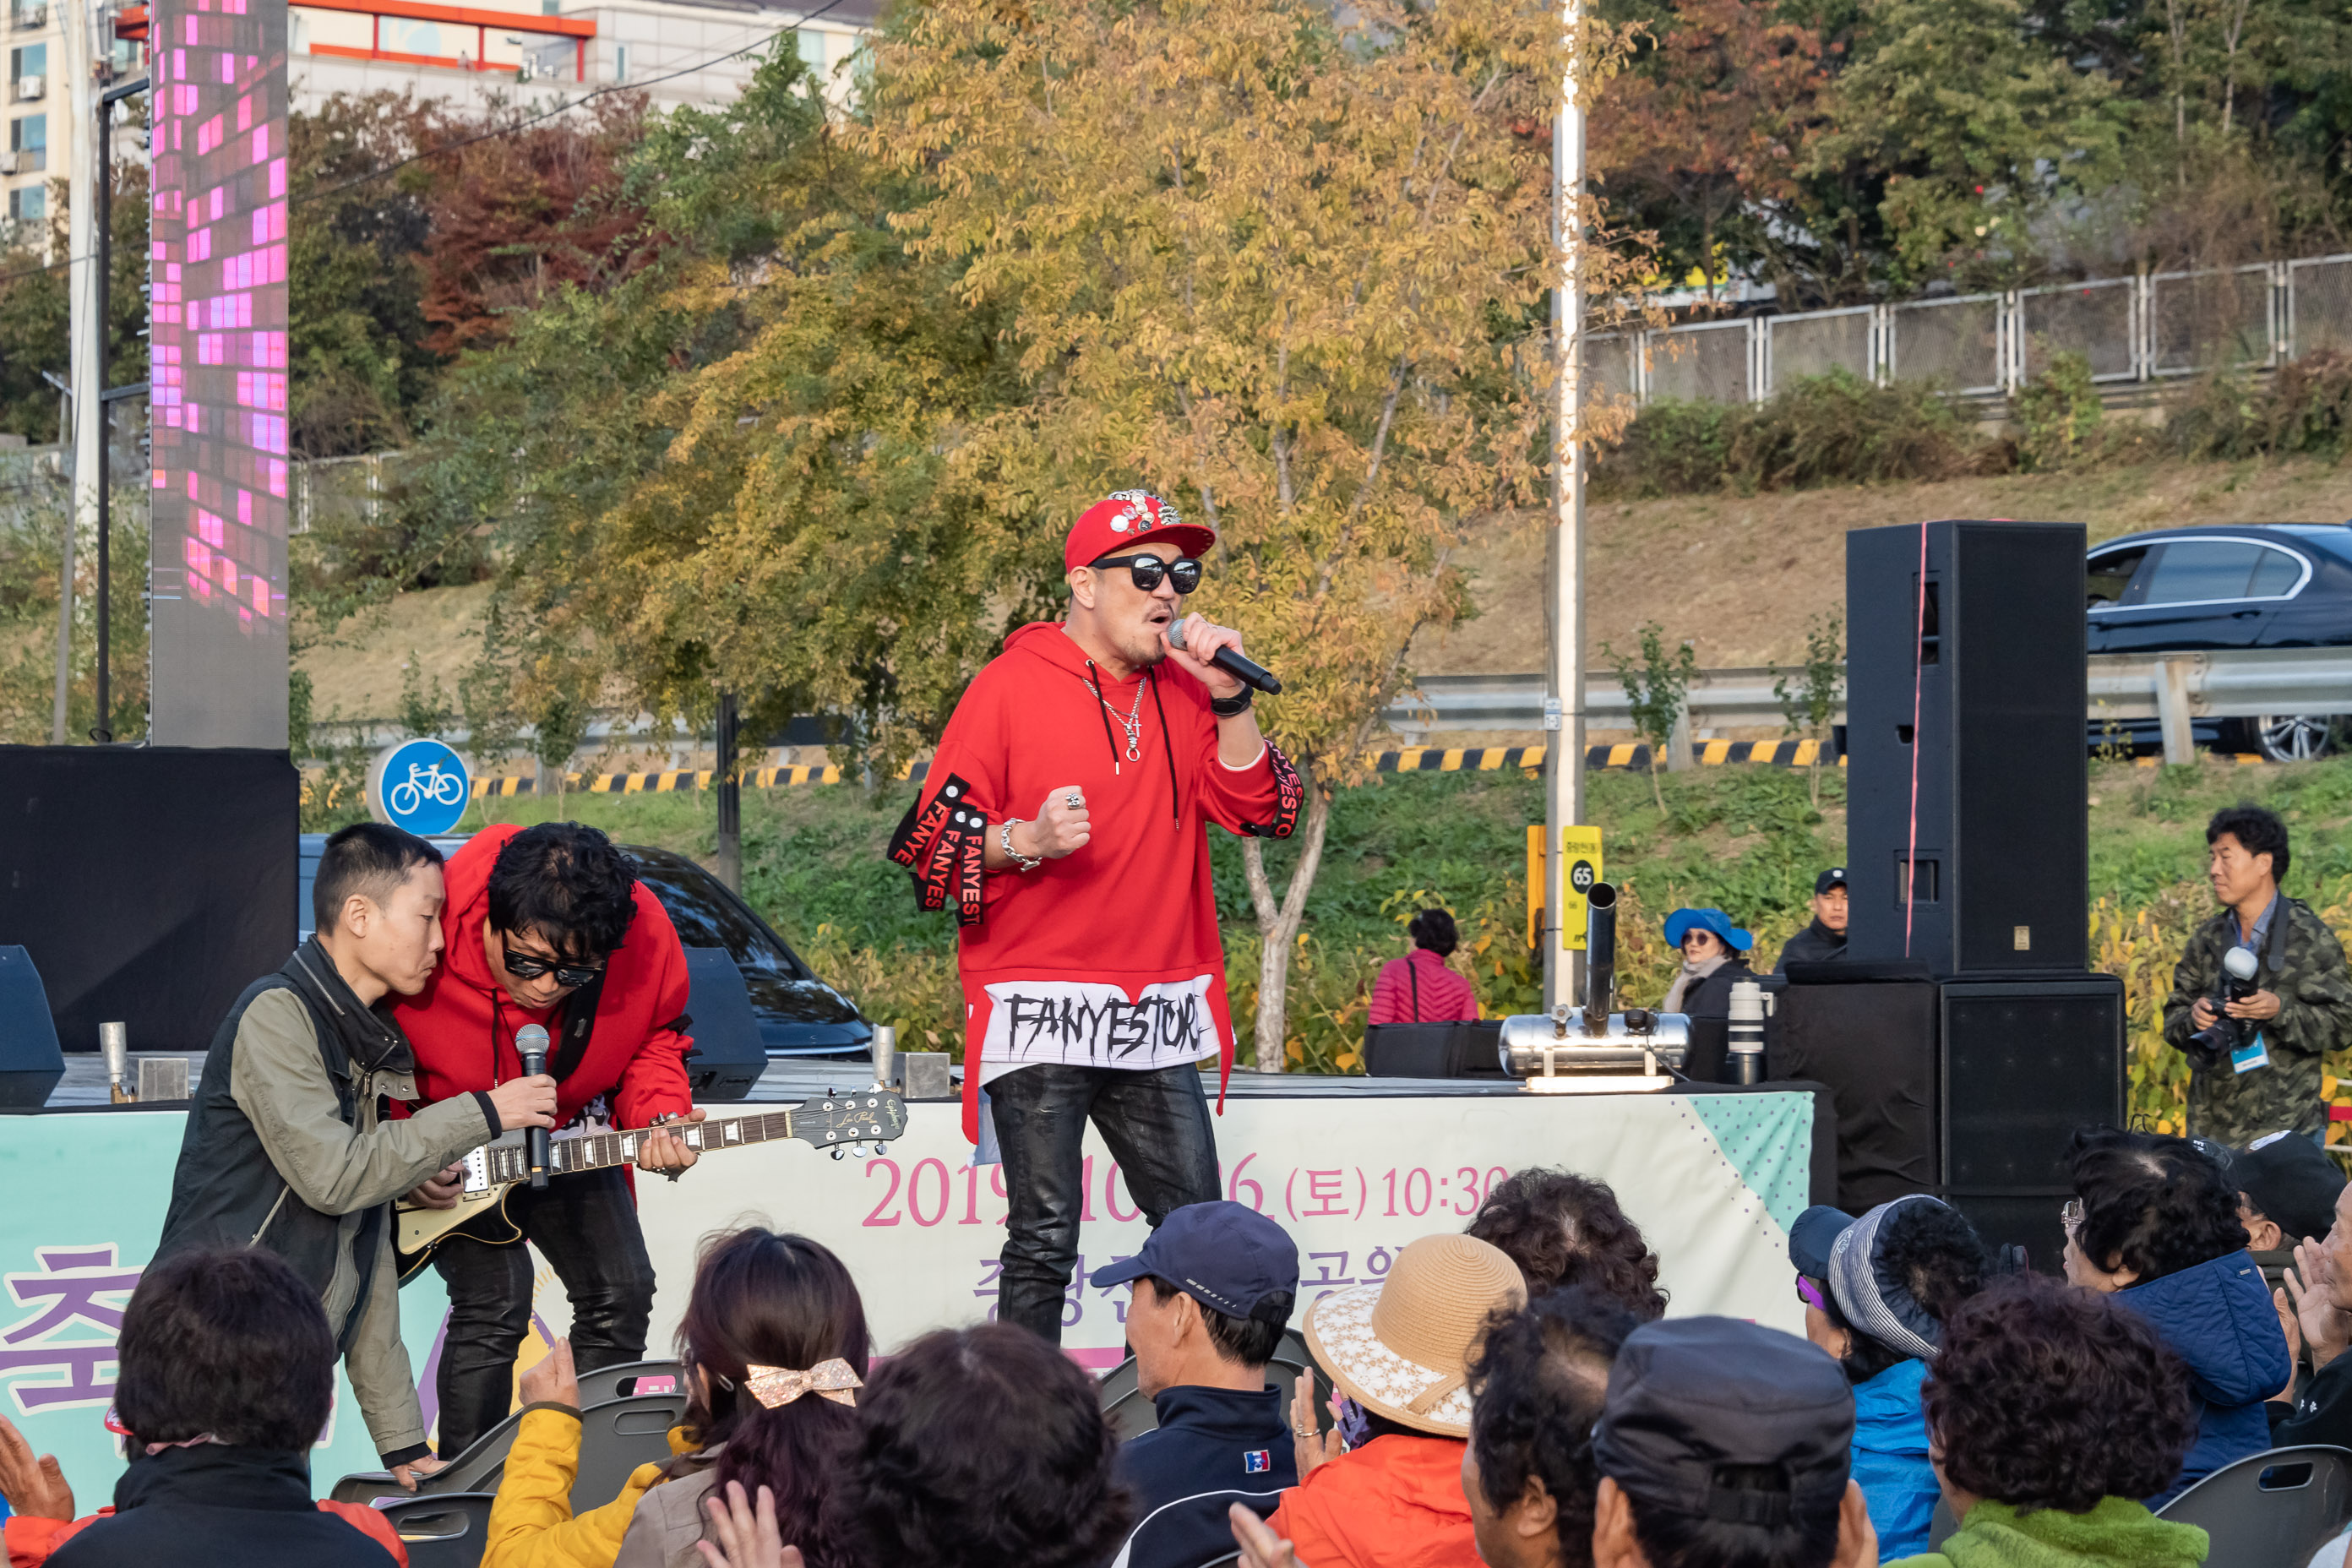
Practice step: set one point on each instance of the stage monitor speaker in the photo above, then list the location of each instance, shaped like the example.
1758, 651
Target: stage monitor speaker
2025, 1064
1434, 1050
727, 1056
30, 1062
1871, 1038
1988, 647
151, 884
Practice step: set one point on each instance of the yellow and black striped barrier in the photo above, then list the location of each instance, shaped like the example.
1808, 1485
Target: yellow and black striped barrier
1411, 760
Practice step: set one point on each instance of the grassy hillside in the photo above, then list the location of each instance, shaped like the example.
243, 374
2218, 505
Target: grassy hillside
1738, 574
1743, 838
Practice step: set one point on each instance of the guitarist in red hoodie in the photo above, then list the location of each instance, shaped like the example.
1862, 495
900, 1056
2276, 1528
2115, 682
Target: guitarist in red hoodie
1065, 818
549, 925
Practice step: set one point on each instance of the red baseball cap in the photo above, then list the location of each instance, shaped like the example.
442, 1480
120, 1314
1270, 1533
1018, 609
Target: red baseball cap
1131, 517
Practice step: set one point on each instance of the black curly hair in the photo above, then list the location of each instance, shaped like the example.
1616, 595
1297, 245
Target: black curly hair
1564, 1229
2151, 1204
2257, 831
1434, 930
2046, 1395
1941, 1261
983, 1446
1538, 1381
569, 883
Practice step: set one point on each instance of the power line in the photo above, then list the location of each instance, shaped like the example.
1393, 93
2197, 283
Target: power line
563, 109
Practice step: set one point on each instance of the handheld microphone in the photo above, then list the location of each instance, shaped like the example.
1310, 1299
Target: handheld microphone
531, 1044
1248, 671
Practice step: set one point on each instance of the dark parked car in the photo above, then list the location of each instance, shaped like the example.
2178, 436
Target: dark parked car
2286, 584
800, 1015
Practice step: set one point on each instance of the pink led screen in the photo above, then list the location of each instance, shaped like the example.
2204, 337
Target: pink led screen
217, 374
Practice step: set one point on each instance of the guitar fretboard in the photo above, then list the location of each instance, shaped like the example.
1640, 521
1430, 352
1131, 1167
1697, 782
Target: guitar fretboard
849, 1119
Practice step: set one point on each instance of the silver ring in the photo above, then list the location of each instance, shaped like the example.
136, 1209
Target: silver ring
1073, 800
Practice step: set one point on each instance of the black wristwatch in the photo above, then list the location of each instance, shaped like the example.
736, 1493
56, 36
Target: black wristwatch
1227, 707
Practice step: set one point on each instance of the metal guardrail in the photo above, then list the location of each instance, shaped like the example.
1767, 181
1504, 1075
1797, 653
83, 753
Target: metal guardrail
2173, 689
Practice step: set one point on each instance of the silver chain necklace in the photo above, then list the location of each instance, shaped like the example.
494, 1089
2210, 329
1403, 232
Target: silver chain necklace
1132, 723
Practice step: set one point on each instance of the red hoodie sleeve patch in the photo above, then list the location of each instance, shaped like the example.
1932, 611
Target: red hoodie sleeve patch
1288, 795
940, 841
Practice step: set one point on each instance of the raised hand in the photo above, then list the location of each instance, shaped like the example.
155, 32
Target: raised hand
747, 1537
2326, 1330
1060, 826
1260, 1547
1309, 1447
35, 1488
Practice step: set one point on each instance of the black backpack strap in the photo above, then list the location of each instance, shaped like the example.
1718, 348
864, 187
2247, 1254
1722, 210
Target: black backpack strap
578, 1026
1413, 973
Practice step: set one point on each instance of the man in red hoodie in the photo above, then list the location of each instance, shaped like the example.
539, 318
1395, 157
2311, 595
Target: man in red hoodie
549, 925
1065, 818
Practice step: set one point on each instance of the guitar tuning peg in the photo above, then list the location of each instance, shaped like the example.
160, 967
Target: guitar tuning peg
837, 1151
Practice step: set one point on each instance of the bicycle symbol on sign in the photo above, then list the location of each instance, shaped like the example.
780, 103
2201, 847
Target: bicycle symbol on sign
426, 781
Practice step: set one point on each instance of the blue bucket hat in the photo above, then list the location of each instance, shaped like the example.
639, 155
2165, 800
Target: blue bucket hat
1679, 923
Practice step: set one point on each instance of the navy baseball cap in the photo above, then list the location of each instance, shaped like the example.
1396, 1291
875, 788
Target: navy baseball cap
1813, 1236
1832, 878
1222, 1254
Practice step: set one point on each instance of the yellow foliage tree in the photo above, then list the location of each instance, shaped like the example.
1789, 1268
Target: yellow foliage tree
1284, 264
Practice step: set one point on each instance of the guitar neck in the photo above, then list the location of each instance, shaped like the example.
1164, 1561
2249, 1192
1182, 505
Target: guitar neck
509, 1162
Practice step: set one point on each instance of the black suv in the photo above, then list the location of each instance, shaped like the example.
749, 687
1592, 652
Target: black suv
2284, 584
800, 1015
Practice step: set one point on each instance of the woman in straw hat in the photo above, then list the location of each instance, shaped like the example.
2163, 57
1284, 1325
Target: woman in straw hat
1398, 1352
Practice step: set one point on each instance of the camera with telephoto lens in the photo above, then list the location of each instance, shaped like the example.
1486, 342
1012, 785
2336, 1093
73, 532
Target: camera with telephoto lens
2226, 1033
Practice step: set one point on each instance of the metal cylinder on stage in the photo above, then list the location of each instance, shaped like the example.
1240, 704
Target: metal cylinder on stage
1745, 1039
885, 1051
1526, 1039
1600, 956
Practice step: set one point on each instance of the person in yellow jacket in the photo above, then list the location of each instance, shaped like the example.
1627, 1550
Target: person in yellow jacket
775, 1348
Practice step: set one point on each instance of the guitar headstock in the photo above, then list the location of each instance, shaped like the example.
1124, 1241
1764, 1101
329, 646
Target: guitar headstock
869, 1116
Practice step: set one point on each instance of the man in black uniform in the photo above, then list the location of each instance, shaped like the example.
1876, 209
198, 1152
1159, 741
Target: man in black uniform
1825, 939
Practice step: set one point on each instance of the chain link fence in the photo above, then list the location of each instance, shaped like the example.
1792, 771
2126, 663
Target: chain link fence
2130, 329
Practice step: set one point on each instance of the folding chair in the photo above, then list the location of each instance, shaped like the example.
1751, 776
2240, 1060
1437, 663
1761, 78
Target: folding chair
446, 1530
2267, 1509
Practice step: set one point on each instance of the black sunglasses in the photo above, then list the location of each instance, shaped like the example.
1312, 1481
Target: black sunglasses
1147, 570
523, 966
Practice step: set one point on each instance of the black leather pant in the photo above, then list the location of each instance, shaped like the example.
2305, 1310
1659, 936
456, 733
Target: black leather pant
586, 1226
1157, 1127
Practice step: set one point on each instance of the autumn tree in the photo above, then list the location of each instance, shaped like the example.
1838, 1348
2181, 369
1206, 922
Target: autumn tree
1279, 263
1710, 121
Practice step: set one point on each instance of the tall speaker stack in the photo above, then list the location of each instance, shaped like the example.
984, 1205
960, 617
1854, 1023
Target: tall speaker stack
1964, 1034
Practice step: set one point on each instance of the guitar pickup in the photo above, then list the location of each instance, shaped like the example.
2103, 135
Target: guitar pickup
477, 1172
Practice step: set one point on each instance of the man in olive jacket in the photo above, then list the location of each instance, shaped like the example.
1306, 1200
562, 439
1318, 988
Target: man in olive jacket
288, 1146
2301, 1006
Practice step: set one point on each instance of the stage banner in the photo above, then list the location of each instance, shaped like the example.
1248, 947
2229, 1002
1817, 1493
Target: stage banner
1714, 1180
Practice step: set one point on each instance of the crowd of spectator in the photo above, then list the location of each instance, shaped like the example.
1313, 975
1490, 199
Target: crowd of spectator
1513, 1397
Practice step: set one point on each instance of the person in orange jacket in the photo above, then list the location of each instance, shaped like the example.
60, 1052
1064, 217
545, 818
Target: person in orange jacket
1399, 1352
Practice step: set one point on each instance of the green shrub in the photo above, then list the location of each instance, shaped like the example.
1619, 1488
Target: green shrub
2303, 410
1818, 430
2058, 416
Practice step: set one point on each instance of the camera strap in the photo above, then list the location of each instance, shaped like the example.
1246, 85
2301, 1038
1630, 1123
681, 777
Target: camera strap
2274, 942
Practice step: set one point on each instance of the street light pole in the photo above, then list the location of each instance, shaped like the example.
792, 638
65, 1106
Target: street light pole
1564, 700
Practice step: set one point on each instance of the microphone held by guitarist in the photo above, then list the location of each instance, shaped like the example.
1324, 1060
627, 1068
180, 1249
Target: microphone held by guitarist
549, 926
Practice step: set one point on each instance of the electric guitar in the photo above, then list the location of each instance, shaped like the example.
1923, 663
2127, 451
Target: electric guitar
495, 1170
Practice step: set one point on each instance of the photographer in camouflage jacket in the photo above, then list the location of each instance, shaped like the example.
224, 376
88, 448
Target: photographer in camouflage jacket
2263, 1076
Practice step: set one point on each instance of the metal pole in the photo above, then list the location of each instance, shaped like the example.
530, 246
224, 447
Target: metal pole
89, 418
103, 731
1564, 704
730, 796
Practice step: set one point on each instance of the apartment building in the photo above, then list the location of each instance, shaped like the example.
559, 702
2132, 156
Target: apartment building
532, 53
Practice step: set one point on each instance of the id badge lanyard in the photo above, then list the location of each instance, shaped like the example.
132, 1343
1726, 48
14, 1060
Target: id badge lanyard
2255, 1053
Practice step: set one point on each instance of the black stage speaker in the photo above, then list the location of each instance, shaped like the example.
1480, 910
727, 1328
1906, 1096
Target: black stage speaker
727, 1056
30, 1063
2003, 862
1434, 1050
1869, 1033
151, 884
2025, 1063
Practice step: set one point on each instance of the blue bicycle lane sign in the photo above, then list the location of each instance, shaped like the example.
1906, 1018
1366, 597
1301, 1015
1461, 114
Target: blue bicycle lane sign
420, 785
